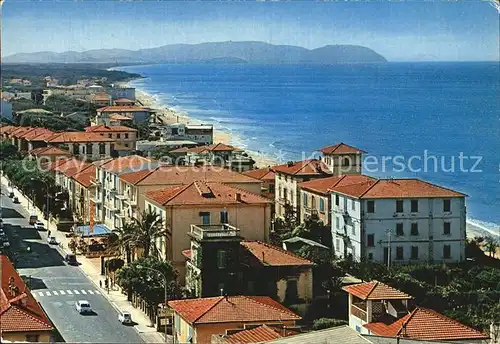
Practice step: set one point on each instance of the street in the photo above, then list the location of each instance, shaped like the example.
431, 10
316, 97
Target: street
57, 286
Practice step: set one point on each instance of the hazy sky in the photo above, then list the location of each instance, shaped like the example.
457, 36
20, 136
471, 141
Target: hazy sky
399, 30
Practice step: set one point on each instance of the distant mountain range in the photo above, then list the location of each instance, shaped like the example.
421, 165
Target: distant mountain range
217, 52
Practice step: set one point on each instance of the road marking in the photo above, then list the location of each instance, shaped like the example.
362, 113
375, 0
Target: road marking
47, 293
69, 292
97, 292
40, 293
55, 292
76, 292
91, 292
83, 292
62, 292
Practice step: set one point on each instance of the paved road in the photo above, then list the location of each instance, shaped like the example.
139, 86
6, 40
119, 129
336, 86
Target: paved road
58, 286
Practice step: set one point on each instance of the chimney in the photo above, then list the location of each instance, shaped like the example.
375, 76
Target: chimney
238, 197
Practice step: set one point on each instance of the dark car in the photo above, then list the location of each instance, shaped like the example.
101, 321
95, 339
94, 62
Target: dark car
70, 259
16, 200
11, 194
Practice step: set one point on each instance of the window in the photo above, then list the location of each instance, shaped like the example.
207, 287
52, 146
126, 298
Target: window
304, 199
399, 206
337, 245
414, 252
76, 149
346, 161
178, 323
370, 205
447, 228
110, 136
221, 259
32, 338
337, 199
126, 136
370, 256
205, 218
399, 229
446, 205
399, 253
371, 240
281, 193
313, 202
270, 188
353, 230
102, 148
117, 136
414, 229
353, 204
322, 205
446, 251
414, 205
337, 223
224, 216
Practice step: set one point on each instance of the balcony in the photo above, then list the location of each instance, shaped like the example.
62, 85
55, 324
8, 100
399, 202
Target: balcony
310, 211
96, 200
131, 202
113, 191
120, 214
345, 213
214, 231
358, 311
121, 197
95, 182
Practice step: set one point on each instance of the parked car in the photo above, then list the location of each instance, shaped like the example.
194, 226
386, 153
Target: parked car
11, 194
125, 318
83, 306
5, 241
33, 219
39, 225
70, 259
52, 240
16, 200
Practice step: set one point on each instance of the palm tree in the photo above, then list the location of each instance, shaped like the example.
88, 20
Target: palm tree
125, 240
149, 228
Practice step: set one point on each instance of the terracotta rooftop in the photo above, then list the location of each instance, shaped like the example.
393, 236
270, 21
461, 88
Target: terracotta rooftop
375, 290
124, 100
273, 256
258, 334
18, 131
49, 151
202, 192
216, 147
108, 129
426, 324
321, 185
20, 312
101, 96
181, 150
341, 148
6, 129
117, 117
132, 162
86, 176
121, 108
264, 174
32, 135
175, 175
77, 136
312, 167
72, 167
224, 309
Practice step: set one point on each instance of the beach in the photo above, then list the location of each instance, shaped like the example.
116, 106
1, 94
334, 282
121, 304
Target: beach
169, 116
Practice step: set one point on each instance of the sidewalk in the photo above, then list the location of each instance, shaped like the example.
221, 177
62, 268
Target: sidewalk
91, 268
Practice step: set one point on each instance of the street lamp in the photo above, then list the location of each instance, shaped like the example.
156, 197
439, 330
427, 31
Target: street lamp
165, 298
47, 206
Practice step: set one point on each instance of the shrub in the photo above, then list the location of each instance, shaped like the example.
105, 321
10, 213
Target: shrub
323, 323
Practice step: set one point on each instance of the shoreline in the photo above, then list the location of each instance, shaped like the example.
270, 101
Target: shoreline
170, 116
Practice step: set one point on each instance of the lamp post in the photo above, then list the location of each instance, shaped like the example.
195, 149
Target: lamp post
165, 299
47, 206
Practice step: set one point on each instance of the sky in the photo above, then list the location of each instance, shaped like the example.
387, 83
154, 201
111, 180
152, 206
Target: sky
466, 30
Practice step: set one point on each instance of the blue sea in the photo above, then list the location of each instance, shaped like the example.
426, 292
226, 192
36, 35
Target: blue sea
435, 121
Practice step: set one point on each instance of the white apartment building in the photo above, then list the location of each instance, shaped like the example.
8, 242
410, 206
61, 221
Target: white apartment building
407, 219
199, 133
343, 159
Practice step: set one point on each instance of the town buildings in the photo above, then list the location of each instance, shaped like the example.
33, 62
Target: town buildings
122, 91
48, 154
137, 114
197, 320
408, 220
378, 309
124, 102
21, 317
124, 136
202, 202
91, 146
5, 109
100, 99
342, 159
200, 133
267, 177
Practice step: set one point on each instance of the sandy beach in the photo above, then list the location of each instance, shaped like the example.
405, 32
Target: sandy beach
169, 116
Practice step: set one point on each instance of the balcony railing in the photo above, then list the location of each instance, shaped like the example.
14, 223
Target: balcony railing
121, 197
311, 211
214, 231
95, 200
131, 202
120, 214
358, 312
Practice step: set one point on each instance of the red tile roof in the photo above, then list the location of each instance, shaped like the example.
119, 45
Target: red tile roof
321, 185
341, 148
117, 117
175, 175
272, 255
375, 290
133, 162
258, 334
101, 96
108, 129
224, 309
19, 131
426, 324
49, 151
408, 188
77, 136
202, 192
124, 100
86, 176
312, 167
264, 174
32, 135
132, 108
19, 312
72, 167
6, 129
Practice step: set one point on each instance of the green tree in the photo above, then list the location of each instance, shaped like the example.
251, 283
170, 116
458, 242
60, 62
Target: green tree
491, 245
8, 151
322, 323
123, 240
313, 229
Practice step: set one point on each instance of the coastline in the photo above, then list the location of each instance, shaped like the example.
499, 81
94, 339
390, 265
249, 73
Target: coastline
169, 116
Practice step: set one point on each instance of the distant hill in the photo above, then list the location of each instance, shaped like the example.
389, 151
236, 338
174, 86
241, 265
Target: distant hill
217, 52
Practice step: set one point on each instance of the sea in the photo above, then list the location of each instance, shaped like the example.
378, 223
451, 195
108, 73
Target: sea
436, 121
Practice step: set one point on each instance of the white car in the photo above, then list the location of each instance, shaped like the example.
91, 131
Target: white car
125, 318
39, 225
52, 240
6, 244
83, 306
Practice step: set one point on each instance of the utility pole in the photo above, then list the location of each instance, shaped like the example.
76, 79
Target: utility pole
389, 233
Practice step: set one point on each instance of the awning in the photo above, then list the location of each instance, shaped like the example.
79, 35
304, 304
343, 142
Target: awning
98, 231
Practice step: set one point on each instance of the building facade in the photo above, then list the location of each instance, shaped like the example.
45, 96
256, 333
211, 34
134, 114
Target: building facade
90, 146
343, 159
200, 133
137, 114
124, 136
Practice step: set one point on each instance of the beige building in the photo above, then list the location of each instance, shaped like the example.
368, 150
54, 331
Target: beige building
101, 99
207, 203
48, 154
197, 320
124, 136
137, 114
90, 146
